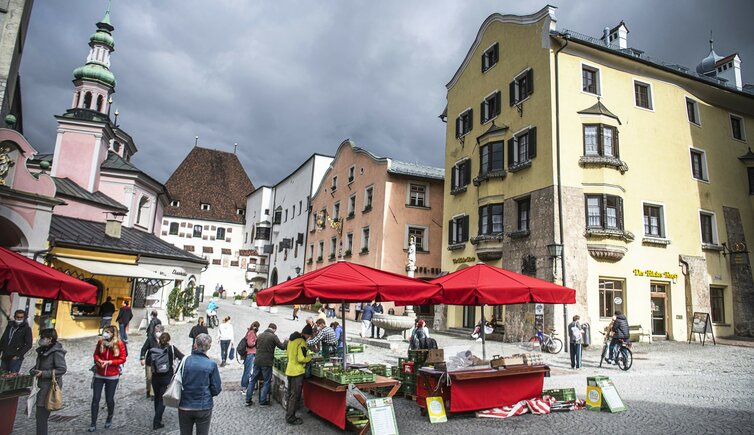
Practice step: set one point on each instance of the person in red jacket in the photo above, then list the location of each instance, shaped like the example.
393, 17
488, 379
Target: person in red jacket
109, 354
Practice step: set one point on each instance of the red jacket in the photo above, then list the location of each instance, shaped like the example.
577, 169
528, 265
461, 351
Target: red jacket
108, 355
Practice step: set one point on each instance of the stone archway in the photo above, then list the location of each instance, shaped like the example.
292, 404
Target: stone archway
11, 236
274, 277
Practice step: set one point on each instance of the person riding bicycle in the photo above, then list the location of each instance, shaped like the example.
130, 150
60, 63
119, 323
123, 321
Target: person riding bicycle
619, 331
212, 313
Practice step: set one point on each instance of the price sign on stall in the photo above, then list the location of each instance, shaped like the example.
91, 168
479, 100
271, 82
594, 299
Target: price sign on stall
382, 416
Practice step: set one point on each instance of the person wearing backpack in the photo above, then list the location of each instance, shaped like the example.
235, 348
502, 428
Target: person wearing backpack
419, 335
576, 338
161, 358
150, 342
247, 349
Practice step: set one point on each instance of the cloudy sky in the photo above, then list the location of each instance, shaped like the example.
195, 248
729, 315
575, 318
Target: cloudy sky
285, 79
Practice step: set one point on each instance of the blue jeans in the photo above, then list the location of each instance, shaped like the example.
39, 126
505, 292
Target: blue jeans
109, 385
614, 345
575, 355
12, 365
248, 368
265, 372
123, 333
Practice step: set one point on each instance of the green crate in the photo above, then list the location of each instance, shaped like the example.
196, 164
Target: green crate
347, 378
381, 369
561, 394
355, 348
16, 382
319, 370
418, 356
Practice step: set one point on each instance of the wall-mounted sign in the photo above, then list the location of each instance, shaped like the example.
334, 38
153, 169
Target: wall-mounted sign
464, 260
618, 300
649, 273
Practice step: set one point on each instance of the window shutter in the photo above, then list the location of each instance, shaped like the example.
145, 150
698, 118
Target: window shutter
471, 118
497, 98
467, 172
479, 224
619, 212
483, 117
465, 228
530, 82
458, 127
450, 232
495, 53
603, 211
532, 143
615, 143
512, 90
453, 177
511, 151
586, 210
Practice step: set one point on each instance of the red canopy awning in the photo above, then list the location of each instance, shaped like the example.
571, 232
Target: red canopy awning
27, 277
487, 285
349, 282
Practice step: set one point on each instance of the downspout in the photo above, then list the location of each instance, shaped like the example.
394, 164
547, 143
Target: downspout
272, 231
560, 190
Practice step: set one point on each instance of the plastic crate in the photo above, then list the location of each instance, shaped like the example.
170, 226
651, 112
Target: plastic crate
381, 369
16, 382
355, 348
561, 394
418, 356
320, 371
350, 378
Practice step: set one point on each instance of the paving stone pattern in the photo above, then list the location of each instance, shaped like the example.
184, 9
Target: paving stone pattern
672, 388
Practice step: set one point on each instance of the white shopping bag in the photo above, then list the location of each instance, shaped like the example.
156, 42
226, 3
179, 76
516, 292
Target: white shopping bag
31, 401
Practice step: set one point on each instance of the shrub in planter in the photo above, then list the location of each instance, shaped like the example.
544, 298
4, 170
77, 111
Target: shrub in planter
238, 297
216, 294
174, 303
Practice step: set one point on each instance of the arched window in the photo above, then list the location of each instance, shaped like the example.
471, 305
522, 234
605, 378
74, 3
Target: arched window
100, 101
88, 100
142, 205
77, 99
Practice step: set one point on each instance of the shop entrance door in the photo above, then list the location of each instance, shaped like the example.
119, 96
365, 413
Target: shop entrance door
659, 303
469, 317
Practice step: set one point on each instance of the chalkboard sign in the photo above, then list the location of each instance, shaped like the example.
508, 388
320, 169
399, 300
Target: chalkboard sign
700, 324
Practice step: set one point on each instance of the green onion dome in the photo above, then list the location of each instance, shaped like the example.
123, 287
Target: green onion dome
103, 38
93, 71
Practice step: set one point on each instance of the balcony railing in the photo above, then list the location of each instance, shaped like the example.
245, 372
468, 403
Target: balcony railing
258, 268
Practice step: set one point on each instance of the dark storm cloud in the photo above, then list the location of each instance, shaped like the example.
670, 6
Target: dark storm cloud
285, 79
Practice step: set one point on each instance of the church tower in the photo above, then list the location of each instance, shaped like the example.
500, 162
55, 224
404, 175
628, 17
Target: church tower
85, 132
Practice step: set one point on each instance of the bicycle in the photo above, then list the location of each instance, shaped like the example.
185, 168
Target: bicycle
624, 358
547, 343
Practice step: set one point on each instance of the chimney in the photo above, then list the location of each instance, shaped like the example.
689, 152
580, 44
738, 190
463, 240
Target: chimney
731, 71
617, 37
112, 228
605, 35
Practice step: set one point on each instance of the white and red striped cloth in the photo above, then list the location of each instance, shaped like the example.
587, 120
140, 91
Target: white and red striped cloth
536, 405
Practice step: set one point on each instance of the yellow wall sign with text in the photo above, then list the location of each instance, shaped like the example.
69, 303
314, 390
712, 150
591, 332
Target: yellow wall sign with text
436, 410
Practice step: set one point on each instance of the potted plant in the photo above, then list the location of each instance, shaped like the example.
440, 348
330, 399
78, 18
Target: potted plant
348, 253
174, 304
319, 259
237, 300
364, 250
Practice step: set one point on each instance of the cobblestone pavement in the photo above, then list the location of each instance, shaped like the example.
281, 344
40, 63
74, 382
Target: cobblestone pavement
672, 388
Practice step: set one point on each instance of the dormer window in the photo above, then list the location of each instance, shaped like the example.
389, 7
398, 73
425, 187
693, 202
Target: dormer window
240, 212
204, 206
175, 203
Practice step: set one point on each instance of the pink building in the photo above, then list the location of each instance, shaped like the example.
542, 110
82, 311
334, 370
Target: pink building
367, 207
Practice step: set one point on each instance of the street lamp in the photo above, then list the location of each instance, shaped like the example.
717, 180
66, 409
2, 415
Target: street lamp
556, 251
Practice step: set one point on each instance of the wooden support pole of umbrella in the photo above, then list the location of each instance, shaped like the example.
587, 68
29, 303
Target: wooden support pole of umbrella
345, 346
484, 337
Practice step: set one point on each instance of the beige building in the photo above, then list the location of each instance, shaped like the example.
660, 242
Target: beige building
638, 169
367, 207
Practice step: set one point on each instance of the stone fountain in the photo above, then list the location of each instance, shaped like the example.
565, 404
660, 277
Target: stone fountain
393, 325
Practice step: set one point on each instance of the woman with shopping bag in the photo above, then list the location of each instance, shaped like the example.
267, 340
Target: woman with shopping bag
49, 370
161, 358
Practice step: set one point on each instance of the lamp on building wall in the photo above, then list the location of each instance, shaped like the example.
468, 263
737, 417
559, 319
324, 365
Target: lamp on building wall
298, 270
555, 250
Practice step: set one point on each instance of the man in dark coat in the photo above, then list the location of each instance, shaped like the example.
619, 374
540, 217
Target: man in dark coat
620, 332
377, 308
106, 312
16, 341
124, 318
266, 344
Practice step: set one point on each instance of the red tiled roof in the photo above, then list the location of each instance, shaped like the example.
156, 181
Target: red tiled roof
209, 177
725, 60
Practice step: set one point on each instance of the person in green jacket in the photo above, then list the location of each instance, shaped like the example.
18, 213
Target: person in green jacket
298, 356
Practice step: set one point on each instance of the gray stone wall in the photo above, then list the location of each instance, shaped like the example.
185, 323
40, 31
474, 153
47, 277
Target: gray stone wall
575, 249
696, 286
742, 284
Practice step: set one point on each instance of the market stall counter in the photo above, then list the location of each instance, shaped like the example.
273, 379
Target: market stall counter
8, 407
327, 399
474, 390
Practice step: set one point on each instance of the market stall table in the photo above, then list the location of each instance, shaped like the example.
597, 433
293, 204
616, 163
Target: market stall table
8, 407
475, 390
327, 399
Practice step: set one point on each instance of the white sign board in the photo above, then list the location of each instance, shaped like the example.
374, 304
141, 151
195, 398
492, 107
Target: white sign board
539, 309
618, 300
382, 416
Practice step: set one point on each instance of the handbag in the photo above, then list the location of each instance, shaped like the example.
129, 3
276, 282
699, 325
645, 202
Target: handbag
232, 354
172, 395
54, 400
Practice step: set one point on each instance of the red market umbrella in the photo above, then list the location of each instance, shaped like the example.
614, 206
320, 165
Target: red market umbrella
343, 282
487, 285
349, 282
29, 278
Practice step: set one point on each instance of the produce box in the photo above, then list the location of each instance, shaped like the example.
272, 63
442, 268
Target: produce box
381, 369
319, 370
561, 394
350, 377
418, 356
13, 381
355, 348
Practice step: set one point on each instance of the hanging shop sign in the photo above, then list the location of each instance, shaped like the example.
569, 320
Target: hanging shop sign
649, 273
464, 260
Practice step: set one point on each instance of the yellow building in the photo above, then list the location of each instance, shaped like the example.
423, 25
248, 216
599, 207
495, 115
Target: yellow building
636, 168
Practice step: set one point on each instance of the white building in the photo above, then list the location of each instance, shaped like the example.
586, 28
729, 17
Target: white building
277, 223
